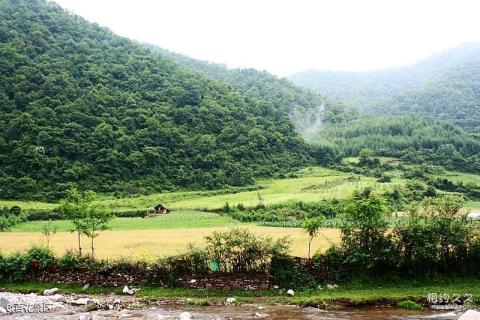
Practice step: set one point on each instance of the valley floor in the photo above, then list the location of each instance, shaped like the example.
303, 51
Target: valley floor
151, 237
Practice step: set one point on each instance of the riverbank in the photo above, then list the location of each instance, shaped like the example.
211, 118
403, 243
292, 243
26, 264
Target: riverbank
346, 295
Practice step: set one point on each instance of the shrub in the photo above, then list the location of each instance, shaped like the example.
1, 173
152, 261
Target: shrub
194, 261
240, 250
288, 272
410, 305
40, 257
72, 261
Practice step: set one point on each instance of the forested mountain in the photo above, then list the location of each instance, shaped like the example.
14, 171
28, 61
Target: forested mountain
82, 106
281, 93
445, 86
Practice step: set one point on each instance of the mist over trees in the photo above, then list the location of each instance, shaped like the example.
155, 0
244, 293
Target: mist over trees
445, 86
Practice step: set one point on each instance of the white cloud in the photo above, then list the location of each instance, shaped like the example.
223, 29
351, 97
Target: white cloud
286, 36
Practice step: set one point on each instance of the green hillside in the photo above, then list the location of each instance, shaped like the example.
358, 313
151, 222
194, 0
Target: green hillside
82, 106
412, 138
280, 92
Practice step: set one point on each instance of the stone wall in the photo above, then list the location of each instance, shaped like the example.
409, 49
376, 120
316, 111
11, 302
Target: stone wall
111, 278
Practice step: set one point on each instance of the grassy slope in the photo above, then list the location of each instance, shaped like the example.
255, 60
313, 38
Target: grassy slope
328, 184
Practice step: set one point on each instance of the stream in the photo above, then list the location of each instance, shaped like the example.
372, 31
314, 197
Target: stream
242, 312
72, 306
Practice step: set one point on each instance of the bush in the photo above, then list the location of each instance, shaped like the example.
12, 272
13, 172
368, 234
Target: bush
72, 261
40, 257
410, 305
288, 272
194, 261
239, 250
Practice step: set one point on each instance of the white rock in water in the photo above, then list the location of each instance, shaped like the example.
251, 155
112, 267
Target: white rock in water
80, 302
185, 316
49, 292
470, 315
290, 292
230, 301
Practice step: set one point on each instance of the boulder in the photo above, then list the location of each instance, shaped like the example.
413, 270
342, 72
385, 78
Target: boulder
49, 292
290, 293
230, 301
470, 315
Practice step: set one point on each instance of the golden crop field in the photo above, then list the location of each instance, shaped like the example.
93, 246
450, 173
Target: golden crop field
149, 244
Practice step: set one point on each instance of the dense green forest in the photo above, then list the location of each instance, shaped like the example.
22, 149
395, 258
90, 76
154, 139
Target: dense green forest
82, 106
281, 93
445, 86
413, 139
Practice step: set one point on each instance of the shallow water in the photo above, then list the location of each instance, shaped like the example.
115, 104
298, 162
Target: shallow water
248, 312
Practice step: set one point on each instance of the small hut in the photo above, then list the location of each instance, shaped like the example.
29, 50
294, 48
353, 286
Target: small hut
160, 209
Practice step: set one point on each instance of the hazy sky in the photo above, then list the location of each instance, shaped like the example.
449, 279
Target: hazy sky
286, 36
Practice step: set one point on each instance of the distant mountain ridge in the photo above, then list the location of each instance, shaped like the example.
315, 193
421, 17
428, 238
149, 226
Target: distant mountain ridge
444, 86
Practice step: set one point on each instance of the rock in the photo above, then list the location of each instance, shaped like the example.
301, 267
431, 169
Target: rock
290, 293
185, 316
260, 315
470, 315
230, 301
80, 302
275, 287
49, 292
85, 287
126, 290
193, 281
4, 302
58, 298
2, 310
332, 286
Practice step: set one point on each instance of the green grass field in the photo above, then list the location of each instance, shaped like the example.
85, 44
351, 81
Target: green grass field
177, 219
312, 184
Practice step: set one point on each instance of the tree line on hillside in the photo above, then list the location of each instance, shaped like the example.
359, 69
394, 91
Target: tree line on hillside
412, 139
